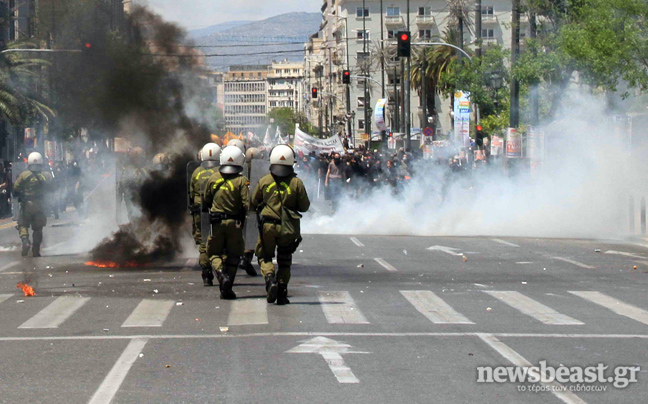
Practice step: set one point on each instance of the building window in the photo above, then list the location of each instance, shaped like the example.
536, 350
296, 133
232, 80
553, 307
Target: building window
361, 124
487, 10
393, 11
363, 34
259, 74
424, 11
359, 12
361, 102
392, 34
362, 56
425, 34
488, 33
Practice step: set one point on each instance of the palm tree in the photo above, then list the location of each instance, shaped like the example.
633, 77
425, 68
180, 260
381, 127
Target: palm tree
438, 61
19, 78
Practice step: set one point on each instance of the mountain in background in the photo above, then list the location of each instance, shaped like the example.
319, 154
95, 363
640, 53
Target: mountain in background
257, 42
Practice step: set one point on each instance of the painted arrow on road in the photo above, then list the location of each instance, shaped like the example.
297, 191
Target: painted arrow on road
447, 250
331, 351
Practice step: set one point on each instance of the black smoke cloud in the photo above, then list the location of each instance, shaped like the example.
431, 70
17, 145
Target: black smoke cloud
135, 84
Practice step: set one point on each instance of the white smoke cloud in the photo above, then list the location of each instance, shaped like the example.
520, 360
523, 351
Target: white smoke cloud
582, 191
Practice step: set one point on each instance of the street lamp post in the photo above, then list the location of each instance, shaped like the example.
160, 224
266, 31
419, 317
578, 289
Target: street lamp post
348, 66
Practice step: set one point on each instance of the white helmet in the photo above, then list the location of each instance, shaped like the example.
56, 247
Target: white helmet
238, 143
282, 159
210, 152
35, 161
231, 160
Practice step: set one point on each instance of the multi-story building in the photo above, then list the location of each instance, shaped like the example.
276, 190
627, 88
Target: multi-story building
314, 61
285, 85
246, 98
354, 37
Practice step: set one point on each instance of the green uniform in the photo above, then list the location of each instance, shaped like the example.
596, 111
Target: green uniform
196, 188
273, 193
227, 196
129, 181
32, 188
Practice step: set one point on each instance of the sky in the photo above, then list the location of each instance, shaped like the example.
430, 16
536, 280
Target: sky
192, 14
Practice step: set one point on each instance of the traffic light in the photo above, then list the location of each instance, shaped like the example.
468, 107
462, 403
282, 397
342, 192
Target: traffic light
346, 77
404, 47
88, 48
479, 137
314, 92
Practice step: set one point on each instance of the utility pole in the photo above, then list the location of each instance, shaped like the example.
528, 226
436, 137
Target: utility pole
330, 80
514, 121
408, 90
396, 123
348, 86
423, 92
478, 27
383, 134
367, 73
535, 96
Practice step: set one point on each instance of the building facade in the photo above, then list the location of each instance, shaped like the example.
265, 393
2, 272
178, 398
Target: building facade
285, 85
357, 35
245, 90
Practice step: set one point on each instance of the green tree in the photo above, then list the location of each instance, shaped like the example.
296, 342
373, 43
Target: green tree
20, 78
286, 118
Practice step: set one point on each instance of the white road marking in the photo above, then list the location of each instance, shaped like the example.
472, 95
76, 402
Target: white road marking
149, 313
357, 242
497, 240
530, 307
248, 311
56, 312
447, 250
385, 265
627, 254
4, 297
340, 308
515, 358
10, 265
617, 306
326, 334
578, 264
110, 385
434, 308
331, 351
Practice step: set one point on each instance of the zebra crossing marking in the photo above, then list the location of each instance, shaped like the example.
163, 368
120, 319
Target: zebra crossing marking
615, 305
149, 313
532, 308
56, 312
248, 312
434, 308
340, 308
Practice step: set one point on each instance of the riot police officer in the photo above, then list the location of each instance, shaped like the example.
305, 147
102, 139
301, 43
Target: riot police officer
31, 188
210, 159
278, 198
226, 197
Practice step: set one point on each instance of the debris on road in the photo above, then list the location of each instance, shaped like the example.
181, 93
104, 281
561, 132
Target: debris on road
167, 366
597, 250
465, 259
106, 329
147, 280
634, 267
155, 290
141, 355
179, 303
488, 309
405, 252
524, 283
224, 329
20, 301
360, 266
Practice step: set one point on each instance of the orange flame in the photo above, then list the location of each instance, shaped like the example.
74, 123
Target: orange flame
110, 264
27, 290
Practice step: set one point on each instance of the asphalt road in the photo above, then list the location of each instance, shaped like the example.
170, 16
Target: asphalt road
373, 319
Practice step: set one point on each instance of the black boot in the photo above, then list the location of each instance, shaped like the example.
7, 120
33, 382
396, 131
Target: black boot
26, 245
271, 288
282, 294
36, 250
226, 288
207, 277
246, 264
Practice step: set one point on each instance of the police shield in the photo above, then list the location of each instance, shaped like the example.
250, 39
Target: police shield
191, 167
258, 168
